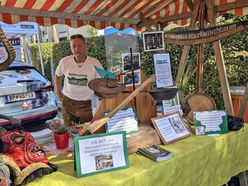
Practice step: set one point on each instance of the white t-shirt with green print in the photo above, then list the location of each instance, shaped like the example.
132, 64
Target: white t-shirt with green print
77, 77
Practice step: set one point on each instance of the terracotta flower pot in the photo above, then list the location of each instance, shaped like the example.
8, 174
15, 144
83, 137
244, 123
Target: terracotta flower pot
61, 140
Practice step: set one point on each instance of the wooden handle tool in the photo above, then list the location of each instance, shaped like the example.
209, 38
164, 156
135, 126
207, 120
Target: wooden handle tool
99, 123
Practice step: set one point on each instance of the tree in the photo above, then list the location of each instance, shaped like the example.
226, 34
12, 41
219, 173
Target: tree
92, 31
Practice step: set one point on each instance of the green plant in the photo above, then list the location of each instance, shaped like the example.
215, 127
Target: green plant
58, 128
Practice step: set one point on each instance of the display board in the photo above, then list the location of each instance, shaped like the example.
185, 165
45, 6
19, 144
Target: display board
100, 153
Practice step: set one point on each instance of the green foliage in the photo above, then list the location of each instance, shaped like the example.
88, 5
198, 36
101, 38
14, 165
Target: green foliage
118, 44
92, 31
96, 49
235, 53
58, 128
47, 53
61, 130
56, 51
61, 50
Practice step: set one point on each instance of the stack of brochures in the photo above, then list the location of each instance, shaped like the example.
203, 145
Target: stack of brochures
155, 153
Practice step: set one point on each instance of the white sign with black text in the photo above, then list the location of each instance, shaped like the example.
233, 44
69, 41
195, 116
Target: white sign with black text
162, 70
100, 153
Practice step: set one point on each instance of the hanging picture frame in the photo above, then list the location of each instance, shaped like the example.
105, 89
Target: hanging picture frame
153, 41
171, 127
127, 69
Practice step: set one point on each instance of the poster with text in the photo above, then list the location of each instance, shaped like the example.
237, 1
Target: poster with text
210, 122
15, 42
100, 153
172, 105
162, 70
124, 120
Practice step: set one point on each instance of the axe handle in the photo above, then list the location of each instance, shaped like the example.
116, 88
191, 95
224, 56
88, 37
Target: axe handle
99, 123
244, 103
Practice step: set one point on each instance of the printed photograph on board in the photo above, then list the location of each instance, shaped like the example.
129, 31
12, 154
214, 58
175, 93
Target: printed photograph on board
153, 41
104, 161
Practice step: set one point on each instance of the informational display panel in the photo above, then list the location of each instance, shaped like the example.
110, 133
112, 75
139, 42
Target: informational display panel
100, 153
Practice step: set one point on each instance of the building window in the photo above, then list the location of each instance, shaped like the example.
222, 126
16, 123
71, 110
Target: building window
63, 38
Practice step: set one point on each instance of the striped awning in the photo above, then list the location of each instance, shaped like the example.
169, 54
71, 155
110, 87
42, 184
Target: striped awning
100, 14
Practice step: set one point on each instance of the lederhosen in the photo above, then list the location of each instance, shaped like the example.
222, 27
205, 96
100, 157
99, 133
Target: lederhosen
76, 111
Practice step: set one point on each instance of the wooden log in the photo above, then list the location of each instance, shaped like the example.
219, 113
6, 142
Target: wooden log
146, 137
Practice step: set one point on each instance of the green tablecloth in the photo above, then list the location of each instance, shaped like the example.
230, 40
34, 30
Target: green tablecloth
197, 160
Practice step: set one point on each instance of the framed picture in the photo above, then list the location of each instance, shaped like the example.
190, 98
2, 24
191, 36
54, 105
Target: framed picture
128, 78
126, 61
171, 127
153, 41
95, 154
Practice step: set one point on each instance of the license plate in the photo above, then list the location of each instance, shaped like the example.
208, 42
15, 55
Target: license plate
19, 97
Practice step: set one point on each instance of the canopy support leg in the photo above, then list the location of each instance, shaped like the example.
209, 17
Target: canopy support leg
220, 63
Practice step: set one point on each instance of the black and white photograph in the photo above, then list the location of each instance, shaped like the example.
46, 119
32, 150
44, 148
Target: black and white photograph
153, 41
126, 61
177, 125
200, 130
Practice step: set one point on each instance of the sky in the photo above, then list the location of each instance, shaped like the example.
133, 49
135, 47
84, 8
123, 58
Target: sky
111, 30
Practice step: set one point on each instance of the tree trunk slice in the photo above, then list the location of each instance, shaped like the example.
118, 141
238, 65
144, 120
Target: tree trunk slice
199, 102
146, 137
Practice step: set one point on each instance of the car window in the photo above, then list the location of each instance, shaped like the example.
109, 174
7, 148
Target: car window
13, 76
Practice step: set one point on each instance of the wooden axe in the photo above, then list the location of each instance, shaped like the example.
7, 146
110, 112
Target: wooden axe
99, 123
244, 103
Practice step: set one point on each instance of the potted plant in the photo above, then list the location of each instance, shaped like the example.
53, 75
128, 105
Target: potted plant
61, 135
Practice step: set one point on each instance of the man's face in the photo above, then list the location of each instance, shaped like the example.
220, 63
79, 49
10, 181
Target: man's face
78, 47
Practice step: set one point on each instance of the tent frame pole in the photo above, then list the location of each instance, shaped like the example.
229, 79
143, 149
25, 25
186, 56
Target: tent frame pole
41, 59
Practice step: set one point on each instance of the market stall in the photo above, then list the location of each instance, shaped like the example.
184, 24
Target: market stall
197, 160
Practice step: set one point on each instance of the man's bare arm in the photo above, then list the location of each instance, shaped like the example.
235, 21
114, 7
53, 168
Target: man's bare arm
58, 84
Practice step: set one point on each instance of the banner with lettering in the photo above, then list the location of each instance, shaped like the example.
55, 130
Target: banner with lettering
15, 42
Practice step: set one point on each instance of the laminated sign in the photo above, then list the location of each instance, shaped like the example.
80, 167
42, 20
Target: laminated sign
210, 122
100, 153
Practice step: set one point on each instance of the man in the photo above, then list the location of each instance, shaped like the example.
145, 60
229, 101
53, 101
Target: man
78, 69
